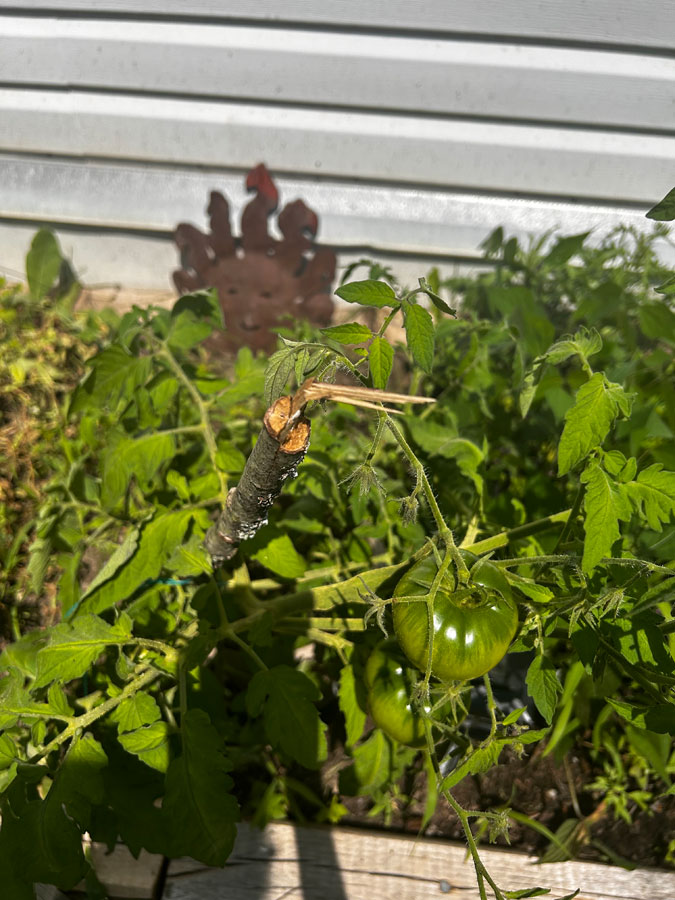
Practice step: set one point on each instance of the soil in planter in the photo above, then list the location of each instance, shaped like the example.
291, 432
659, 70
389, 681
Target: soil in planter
549, 793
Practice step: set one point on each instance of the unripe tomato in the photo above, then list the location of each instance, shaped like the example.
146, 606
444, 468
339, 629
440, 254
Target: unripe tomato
473, 625
389, 684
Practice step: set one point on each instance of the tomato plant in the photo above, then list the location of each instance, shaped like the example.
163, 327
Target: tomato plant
546, 454
473, 624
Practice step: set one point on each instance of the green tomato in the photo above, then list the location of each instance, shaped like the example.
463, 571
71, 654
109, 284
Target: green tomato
389, 684
473, 625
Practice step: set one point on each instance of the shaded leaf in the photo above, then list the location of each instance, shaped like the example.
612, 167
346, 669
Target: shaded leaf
286, 697
72, 648
543, 686
664, 210
198, 795
43, 263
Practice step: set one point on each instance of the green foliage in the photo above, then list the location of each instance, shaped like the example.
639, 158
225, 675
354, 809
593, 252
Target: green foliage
169, 700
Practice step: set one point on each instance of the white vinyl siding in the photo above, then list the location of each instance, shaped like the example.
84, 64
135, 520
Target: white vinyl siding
412, 128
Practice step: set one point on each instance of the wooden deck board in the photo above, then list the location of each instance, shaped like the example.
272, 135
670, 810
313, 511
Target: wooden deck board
347, 864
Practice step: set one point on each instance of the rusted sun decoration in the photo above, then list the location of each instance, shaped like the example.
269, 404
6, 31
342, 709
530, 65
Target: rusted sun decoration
260, 280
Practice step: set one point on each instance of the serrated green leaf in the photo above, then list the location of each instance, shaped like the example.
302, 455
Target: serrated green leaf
371, 767
368, 293
159, 539
280, 556
16, 702
119, 558
381, 360
587, 421
605, 504
150, 743
653, 495
229, 458
287, 699
419, 329
72, 648
432, 293
279, 370
657, 320
114, 373
441, 440
43, 263
659, 718
134, 712
664, 210
8, 753
352, 709
543, 686
187, 330
198, 795
348, 333
140, 457
564, 249
514, 715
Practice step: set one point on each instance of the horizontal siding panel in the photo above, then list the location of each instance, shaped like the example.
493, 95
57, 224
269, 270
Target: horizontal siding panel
460, 153
440, 223
293, 66
622, 22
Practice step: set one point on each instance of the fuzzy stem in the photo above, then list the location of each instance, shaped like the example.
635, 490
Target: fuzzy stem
79, 723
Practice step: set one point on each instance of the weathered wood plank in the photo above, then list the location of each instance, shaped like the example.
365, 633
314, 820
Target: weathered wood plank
631, 22
122, 875
346, 864
459, 152
368, 71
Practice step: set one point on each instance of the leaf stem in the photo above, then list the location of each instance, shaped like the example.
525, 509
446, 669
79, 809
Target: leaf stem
205, 425
79, 723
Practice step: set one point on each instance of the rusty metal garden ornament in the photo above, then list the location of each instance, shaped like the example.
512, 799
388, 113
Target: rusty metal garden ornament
260, 281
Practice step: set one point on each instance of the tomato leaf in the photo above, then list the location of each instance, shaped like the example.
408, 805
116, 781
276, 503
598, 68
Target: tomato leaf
158, 540
664, 210
597, 404
381, 360
543, 686
564, 249
150, 743
348, 333
280, 556
371, 766
355, 716
278, 371
605, 504
419, 329
72, 648
198, 794
286, 697
134, 712
43, 263
368, 293
653, 495
659, 718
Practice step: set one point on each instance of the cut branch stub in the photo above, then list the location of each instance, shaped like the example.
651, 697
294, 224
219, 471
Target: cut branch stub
260, 280
280, 448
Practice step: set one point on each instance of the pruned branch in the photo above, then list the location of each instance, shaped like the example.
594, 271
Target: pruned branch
280, 448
